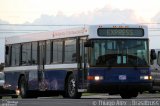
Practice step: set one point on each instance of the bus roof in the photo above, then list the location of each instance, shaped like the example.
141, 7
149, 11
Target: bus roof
90, 30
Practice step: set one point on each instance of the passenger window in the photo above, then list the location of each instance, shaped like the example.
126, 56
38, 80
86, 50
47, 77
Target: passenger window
48, 52
70, 51
8, 55
34, 53
158, 60
57, 51
26, 54
15, 59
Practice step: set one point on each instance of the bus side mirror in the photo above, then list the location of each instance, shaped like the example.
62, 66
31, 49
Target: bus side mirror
7, 50
153, 54
88, 44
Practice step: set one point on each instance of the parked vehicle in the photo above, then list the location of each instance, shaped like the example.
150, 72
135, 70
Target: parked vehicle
3, 91
1, 79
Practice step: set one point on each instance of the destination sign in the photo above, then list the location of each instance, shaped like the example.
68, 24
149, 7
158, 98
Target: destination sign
120, 32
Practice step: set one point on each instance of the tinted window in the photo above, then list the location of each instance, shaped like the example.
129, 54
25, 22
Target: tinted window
120, 53
48, 52
13, 63
26, 54
159, 58
34, 52
15, 54
70, 51
8, 56
57, 51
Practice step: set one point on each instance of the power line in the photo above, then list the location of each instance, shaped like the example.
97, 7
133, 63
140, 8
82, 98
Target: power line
149, 23
154, 35
21, 30
54, 24
154, 30
53, 30
42, 25
14, 32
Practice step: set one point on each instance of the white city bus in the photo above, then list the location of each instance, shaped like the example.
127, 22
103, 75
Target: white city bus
110, 59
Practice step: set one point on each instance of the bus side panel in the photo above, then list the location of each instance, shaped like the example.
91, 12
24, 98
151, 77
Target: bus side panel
11, 80
55, 79
33, 80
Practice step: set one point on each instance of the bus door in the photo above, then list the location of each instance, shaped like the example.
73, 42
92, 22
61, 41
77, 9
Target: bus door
82, 61
41, 57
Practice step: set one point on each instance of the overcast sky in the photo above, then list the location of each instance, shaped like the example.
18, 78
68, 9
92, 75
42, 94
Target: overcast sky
77, 12
21, 11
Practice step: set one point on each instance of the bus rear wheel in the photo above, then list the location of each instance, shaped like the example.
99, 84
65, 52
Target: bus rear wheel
23, 87
71, 88
24, 92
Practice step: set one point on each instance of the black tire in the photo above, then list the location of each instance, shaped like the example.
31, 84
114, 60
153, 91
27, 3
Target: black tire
125, 95
152, 91
71, 88
134, 94
0, 97
128, 95
24, 92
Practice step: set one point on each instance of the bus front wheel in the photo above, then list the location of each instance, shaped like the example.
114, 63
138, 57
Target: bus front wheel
71, 88
125, 96
128, 95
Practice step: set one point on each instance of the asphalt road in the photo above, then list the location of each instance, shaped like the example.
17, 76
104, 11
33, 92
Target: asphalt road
94, 100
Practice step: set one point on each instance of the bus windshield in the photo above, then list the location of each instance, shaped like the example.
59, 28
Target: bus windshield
119, 53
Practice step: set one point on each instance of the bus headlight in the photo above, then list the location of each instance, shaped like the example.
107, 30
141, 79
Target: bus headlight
97, 78
146, 77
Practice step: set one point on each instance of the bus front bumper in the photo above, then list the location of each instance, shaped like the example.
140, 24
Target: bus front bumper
118, 87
